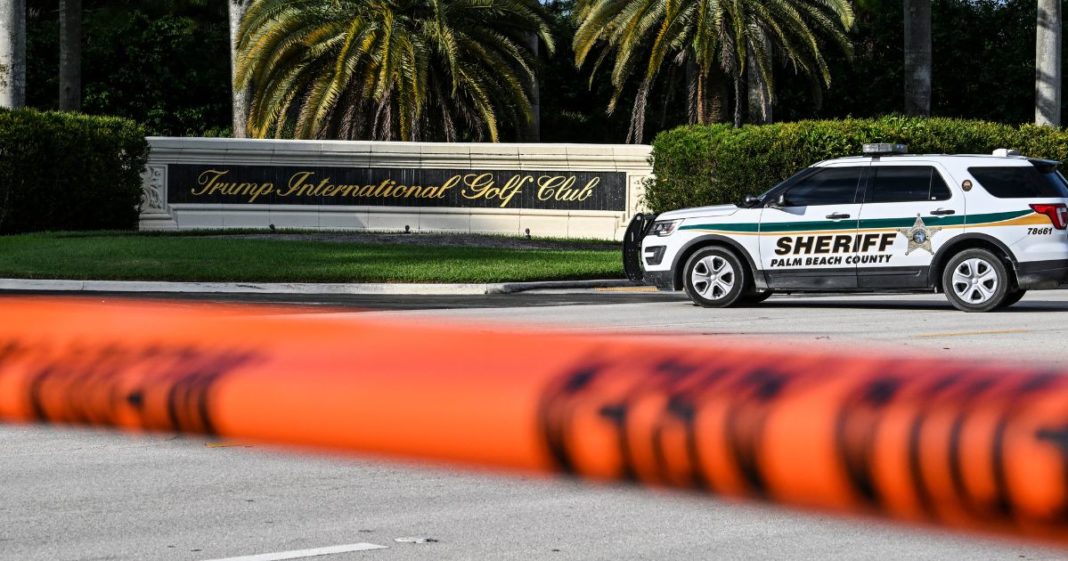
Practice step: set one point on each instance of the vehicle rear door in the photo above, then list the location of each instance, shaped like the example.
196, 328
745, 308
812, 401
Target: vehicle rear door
1025, 206
808, 227
912, 209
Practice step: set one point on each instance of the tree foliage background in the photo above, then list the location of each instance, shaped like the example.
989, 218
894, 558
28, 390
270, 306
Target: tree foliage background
984, 64
165, 63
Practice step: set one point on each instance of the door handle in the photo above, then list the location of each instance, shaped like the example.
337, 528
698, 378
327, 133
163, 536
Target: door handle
943, 212
837, 216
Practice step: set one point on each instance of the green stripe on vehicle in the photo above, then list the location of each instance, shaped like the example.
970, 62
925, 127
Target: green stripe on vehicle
751, 228
870, 224
877, 223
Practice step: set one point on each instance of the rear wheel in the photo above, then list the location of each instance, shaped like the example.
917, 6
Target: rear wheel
714, 278
1013, 297
976, 280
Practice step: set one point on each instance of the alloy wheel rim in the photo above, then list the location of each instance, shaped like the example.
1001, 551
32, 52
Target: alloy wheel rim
713, 277
975, 281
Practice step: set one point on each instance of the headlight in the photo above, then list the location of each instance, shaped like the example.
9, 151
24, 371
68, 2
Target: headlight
665, 228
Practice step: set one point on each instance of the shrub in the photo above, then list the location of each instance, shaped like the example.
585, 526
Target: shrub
717, 164
65, 171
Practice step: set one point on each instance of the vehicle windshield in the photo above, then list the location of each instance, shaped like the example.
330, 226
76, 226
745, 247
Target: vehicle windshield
763, 197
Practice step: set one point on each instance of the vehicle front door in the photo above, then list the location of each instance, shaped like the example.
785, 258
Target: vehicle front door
808, 230
912, 204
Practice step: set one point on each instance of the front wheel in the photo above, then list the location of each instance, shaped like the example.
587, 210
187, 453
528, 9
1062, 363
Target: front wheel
754, 298
976, 280
714, 278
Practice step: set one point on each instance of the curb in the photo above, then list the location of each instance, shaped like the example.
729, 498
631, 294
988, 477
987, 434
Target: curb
514, 287
352, 289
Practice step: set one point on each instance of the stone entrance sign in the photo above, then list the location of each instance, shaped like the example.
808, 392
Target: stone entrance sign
559, 190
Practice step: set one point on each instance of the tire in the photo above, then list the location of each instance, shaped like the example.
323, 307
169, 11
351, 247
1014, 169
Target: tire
754, 298
714, 277
976, 280
1012, 298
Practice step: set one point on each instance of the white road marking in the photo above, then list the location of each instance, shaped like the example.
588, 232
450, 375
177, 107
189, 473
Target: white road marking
975, 333
304, 553
415, 539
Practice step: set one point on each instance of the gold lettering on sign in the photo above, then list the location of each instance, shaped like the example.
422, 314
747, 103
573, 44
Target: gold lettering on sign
482, 186
304, 184
562, 188
211, 182
477, 186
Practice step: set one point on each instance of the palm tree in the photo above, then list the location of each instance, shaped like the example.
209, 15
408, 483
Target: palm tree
389, 69
12, 53
70, 55
238, 96
760, 94
532, 131
917, 57
715, 38
1048, 64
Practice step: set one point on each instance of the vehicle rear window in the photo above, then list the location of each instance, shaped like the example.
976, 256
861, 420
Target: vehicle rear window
899, 184
1021, 182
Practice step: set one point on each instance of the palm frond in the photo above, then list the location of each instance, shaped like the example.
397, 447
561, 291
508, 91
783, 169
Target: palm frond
383, 69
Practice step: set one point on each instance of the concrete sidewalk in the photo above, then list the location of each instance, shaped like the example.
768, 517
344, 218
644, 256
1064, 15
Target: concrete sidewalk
385, 289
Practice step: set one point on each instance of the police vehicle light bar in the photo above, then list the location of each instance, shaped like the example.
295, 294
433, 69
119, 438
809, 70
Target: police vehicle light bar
884, 149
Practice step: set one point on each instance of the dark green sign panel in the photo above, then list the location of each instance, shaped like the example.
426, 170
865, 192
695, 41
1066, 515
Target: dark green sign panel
461, 188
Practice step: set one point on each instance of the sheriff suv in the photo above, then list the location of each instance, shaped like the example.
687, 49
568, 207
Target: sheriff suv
981, 229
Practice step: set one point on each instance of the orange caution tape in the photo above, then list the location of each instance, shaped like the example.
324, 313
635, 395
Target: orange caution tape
960, 444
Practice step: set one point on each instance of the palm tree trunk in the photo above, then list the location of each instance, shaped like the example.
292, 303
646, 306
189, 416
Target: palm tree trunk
760, 109
12, 53
239, 97
637, 117
1048, 64
917, 57
707, 95
701, 98
70, 55
717, 95
532, 132
692, 90
737, 101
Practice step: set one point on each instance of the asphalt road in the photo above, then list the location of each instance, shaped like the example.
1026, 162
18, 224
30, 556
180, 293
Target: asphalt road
75, 495
1035, 330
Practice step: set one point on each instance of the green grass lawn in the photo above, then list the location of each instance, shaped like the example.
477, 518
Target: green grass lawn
220, 259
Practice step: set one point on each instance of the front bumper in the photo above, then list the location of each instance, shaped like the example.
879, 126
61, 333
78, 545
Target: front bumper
635, 258
632, 245
662, 280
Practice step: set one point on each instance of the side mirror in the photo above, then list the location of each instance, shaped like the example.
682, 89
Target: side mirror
751, 201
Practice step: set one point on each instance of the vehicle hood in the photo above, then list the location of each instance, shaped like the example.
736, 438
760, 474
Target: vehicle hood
700, 212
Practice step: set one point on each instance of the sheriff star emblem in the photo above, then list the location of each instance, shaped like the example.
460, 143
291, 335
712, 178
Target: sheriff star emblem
919, 236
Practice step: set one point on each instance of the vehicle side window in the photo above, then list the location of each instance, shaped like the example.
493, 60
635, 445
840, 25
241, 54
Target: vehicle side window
900, 184
1020, 182
831, 186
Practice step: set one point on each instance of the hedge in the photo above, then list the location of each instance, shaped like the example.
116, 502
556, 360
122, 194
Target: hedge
65, 171
716, 164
